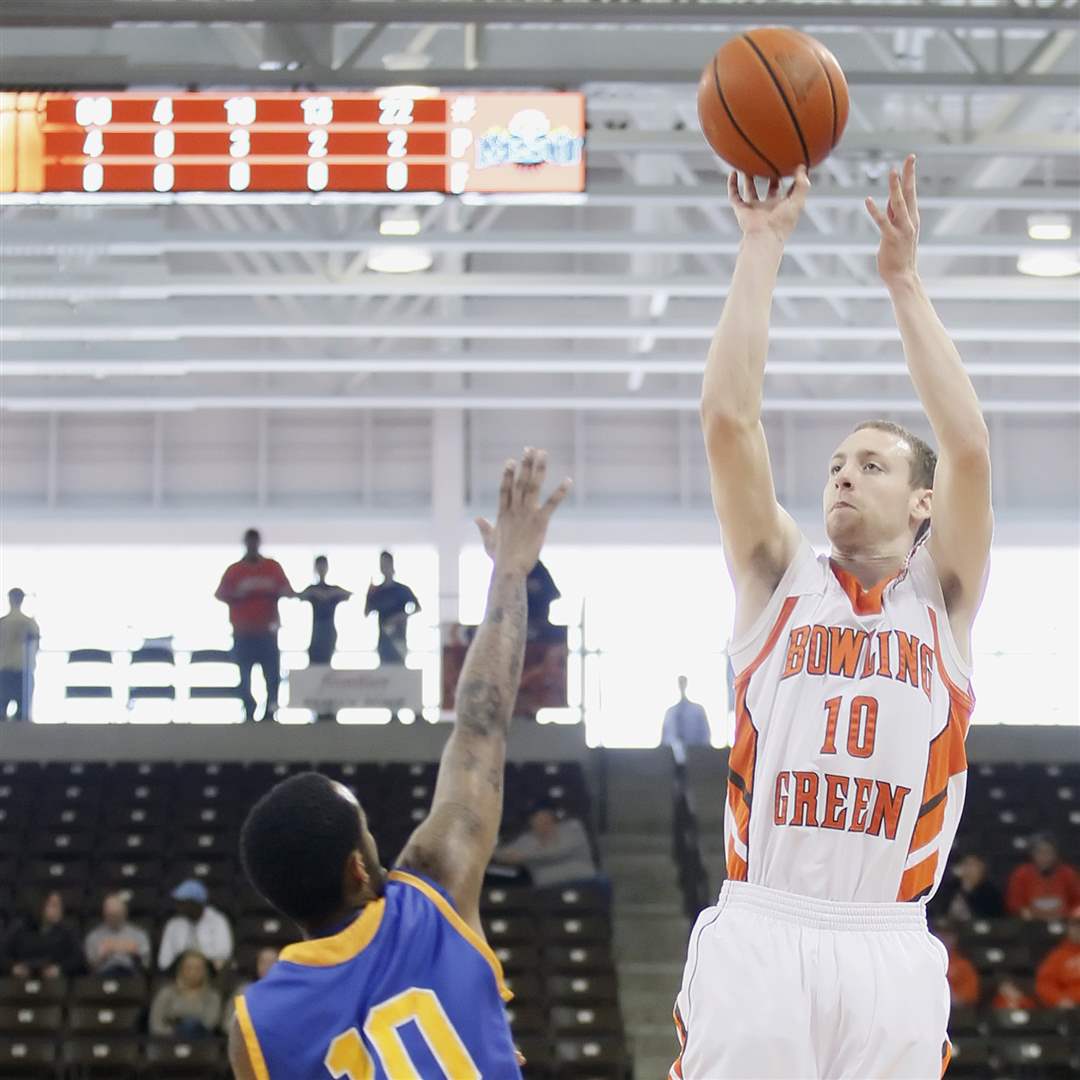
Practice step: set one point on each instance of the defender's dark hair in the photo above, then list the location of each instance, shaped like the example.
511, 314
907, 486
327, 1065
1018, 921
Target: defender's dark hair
294, 845
922, 461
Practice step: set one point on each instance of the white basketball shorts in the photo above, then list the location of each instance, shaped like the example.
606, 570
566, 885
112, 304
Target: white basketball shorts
786, 987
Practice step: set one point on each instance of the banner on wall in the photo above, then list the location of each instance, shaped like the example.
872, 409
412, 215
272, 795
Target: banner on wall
543, 678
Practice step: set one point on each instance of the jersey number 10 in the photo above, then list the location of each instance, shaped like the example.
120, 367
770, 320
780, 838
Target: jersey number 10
348, 1057
862, 725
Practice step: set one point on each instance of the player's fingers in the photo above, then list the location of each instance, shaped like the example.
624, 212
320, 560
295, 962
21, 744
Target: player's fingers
897, 205
908, 183
734, 195
523, 477
750, 188
879, 218
536, 481
506, 487
487, 530
556, 497
800, 186
774, 188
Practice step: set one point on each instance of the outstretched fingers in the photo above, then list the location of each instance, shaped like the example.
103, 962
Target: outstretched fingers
506, 485
556, 497
880, 220
897, 204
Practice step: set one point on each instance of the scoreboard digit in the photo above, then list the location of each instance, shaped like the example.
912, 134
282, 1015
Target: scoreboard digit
250, 141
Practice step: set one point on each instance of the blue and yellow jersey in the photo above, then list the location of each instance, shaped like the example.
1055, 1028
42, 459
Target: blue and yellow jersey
406, 991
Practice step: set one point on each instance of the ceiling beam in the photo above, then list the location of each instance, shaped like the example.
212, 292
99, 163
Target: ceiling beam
143, 403
110, 71
1003, 288
80, 13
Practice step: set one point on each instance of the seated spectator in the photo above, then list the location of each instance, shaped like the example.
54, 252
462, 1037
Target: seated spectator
1057, 982
189, 1008
265, 959
963, 978
553, 851
43, 945
1045, 887
1011, 996
967, 893
115, 946
196, 925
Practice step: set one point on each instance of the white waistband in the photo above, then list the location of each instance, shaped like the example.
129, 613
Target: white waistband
822, 914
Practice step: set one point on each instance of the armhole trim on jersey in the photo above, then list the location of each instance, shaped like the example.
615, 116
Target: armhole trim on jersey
927, 574
459, 924
964, 698
251, 1040
803, 557
341, 947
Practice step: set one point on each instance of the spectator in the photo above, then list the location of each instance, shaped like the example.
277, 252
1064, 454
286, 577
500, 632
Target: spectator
1057, 982
115, 946
394, 603
1010, 995
265, 959
189, 1007
1045, 887
43, 945
324, 600
196, 925
252, 588
685, 724
963, 978
540, 592
553, 851
19, 636
967, 894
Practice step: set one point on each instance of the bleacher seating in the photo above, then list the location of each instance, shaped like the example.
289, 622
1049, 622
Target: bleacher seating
144, 827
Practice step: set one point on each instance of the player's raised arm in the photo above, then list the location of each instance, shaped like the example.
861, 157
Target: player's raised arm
455, 842
760, 538
962, 516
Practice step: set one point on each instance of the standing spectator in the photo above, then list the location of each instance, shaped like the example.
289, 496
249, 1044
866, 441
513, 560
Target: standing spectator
1057, 982
189, 1007
252, 588
553, 851
324, 599
540, 592
196, 925
43, 945
962, 976
1011, 996
115, 946
685, 724
1045, 887
19, 636
967, 893
265, 959
394, 603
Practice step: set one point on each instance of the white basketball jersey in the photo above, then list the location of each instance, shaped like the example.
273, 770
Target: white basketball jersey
848, 770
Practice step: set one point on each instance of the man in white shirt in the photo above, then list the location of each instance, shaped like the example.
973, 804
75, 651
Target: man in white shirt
196, 925
18, 644
555, 851
685, 724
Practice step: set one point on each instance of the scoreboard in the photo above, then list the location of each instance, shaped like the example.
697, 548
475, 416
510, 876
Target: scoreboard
157, 141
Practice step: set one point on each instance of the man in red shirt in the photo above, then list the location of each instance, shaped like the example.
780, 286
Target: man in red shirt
1046, 887
252, 588
1057, 981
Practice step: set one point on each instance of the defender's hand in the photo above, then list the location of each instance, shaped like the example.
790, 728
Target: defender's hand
775, 215
899, 226
514, 541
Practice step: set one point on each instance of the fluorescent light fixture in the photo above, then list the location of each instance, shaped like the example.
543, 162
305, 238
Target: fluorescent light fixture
1049, 227
399, 221
1049, 263
413, 92
271, 65
405, 259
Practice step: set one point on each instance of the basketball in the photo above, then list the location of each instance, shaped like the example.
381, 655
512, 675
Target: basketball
773, 99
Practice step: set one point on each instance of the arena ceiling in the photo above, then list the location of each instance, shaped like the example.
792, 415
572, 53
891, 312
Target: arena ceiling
578, 306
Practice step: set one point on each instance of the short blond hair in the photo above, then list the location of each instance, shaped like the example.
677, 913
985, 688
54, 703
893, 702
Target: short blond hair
922, 460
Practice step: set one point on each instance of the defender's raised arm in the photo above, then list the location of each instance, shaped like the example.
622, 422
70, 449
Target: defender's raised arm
455, 843
760, 538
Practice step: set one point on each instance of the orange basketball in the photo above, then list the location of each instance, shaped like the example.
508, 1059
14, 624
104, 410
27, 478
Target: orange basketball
773, 99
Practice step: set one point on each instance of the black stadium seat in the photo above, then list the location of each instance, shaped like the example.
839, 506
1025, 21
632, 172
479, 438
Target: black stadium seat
32, 991
181, 1059
30, 1020
105, 1058
27, 1059
101, 1019
109, 990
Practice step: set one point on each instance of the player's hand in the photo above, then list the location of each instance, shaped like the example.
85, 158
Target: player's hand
775, 215
514, 541
898, 225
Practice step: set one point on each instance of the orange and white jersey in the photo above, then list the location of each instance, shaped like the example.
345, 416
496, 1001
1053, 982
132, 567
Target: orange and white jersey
848, 770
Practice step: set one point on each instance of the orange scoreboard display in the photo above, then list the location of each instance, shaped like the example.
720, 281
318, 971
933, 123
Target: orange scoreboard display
155, 141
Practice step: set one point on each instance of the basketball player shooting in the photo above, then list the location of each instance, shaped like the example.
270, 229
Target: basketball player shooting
395, 978
853, 698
